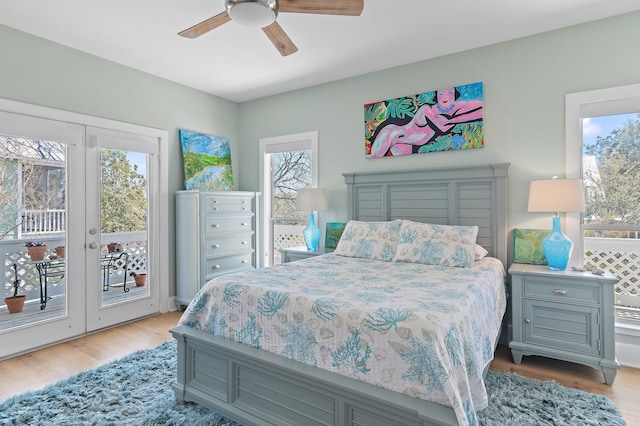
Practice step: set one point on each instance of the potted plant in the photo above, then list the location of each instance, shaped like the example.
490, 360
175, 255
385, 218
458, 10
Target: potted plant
15, 303
60, 251
37, 249
139, 278
114, 247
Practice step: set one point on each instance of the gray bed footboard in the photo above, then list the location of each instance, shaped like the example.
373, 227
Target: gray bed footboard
254, 387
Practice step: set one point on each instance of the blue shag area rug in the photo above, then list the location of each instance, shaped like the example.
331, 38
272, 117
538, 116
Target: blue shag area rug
136, 390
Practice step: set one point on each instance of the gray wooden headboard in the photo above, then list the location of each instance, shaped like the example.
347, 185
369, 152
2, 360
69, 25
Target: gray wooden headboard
469, 195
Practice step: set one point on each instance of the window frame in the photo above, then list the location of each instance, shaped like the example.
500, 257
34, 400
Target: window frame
292, 142
580, 105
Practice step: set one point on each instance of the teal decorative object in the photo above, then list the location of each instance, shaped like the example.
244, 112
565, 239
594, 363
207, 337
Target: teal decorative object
311, 234
557, 247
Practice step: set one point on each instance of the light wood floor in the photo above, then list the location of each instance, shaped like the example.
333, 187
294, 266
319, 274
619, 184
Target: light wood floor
40, 368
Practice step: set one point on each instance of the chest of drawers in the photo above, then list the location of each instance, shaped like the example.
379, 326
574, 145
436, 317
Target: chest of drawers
216, 234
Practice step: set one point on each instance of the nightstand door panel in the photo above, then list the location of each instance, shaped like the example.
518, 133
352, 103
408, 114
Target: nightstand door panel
566, 327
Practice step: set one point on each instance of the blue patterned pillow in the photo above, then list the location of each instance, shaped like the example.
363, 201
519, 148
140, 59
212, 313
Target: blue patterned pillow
369, 240
436, 244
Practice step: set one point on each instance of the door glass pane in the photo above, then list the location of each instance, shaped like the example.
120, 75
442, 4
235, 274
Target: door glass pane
33, 211
291, 170
611, 221
123, 217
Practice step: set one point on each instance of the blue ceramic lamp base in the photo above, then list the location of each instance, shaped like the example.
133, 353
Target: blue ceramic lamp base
557, 247
311, 234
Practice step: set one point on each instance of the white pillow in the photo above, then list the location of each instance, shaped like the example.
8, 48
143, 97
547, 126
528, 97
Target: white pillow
369, 240
480, 252
436, 244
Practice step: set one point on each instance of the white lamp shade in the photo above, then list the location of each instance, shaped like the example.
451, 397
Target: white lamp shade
311, 199
556, 195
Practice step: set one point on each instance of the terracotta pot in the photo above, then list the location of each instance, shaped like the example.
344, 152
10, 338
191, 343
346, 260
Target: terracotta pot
140, 279
37, 253
15, 304
111, 247
60, 252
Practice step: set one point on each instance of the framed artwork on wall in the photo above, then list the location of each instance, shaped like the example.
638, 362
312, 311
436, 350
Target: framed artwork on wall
207, 162
449, 119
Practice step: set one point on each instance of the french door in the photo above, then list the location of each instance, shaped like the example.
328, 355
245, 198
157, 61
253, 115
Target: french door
121, 177
103, 187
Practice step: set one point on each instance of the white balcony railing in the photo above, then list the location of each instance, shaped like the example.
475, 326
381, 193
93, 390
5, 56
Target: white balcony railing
42, 222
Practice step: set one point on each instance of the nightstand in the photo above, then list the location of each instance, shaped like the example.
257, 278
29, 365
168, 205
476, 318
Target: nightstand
291, 254
565, 315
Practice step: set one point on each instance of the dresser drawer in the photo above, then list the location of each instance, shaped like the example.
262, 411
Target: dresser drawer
216, 204
221, 244
215, 225
225, 264
562, 291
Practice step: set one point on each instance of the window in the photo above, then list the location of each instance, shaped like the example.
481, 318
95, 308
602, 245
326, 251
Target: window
604, 151
288, 164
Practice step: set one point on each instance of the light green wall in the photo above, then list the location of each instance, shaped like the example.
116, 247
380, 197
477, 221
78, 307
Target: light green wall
40, 72
525, 83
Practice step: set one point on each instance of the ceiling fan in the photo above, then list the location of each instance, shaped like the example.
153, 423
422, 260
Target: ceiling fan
263, 14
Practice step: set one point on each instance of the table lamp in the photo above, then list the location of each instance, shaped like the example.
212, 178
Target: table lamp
556, 195
311, 200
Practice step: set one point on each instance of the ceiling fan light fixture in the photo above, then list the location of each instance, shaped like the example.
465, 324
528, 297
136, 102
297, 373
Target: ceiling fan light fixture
253, 13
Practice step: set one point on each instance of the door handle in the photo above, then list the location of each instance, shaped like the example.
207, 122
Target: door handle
93, 246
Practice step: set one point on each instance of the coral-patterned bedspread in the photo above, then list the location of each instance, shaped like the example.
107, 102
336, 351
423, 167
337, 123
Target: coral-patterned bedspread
425, 331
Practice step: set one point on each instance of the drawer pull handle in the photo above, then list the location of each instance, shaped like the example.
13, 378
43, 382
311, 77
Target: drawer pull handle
244, 224
560, 291
244, 243
244, 208
244, 201
216, 267
245, 261
215, 209
215, 246
215, 226
527, 320
215, 201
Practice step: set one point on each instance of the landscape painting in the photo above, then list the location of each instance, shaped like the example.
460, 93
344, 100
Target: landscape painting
449, 119
207, 162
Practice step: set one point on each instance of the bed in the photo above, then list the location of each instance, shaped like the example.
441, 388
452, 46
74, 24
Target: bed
346, 375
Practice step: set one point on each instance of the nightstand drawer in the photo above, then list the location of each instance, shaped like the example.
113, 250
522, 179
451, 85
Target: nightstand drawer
562, 291
565, 327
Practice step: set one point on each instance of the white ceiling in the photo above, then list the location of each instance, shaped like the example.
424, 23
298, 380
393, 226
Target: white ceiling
240, 63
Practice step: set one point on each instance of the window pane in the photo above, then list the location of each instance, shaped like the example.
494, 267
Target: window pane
611, 221
292, 170
611, 170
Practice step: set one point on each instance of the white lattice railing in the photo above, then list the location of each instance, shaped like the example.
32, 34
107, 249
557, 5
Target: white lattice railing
14, 251
286, 236
620, 256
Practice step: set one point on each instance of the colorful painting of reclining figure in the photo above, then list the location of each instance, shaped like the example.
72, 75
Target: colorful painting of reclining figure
207, 162
449, 119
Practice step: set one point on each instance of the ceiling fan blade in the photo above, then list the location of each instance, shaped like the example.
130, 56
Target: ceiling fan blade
280, 39
324, 7
205, 26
